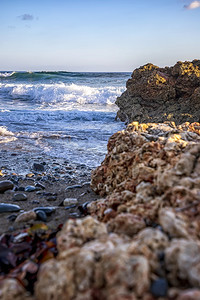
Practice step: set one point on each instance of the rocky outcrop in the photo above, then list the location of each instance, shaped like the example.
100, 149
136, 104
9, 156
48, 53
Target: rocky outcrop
162, 94
142, 241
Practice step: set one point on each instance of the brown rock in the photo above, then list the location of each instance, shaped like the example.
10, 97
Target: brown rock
146, 229
182, 260
76, 232
126, 223
162, 94
6, 185
26, 216
11, 289
105, 265
192, 294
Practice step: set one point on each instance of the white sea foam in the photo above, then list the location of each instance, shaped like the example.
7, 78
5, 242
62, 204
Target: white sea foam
4, 131
6, 74
6, 136
60, 95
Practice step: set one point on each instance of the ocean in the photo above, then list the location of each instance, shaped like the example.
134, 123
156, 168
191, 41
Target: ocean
60, 114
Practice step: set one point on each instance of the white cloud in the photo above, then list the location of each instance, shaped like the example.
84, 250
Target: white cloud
193, 5
26, 17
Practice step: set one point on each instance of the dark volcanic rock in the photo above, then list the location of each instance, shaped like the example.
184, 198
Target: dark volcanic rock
162, 94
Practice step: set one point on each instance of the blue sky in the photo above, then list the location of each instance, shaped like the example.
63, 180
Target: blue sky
97, 35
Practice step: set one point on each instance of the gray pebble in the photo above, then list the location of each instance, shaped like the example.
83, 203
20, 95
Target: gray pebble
21, 189
76, 186
74, 215
47, 209
159, 287
38, 167
19, 197
39, 185
4, 207
30, 188
51, 198
35, 202
12, 218
41, 215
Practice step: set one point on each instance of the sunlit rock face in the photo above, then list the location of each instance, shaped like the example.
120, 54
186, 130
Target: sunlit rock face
162, 94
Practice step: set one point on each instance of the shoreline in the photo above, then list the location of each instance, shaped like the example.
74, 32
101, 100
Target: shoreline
133, 241
57, 175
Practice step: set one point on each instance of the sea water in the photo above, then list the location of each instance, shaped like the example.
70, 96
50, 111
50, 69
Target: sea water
60, 114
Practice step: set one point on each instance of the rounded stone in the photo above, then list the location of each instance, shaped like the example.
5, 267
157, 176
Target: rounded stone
39, 185
21, 189
6, 185
51, 198
41, 215
38, 167
12, 218
47, 209
26, 216
30, 188
69, 201
159, 287
20, 197
5, 207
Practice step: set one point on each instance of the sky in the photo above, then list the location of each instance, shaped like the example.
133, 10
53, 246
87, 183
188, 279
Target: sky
97, 35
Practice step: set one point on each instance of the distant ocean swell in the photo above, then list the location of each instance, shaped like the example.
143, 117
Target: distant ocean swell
60, 75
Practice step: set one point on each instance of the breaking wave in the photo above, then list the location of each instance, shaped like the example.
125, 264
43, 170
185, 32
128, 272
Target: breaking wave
61, 95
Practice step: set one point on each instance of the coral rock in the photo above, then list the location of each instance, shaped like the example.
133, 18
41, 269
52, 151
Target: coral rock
10, 289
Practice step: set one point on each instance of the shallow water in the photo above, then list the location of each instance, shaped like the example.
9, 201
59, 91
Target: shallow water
60, 114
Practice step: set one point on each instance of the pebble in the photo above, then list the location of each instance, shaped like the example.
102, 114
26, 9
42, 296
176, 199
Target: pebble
38, 167
74, 215
51, 198
20, 237
49, 194
83, 208
6, 185
70, 206
30, 188
76, 186
69, 201
12, 218
41, 215
39, 193
47, 209
21, 189
19, 197
35, 202
26, 216
39, 185
4, 207
8, 192
86, 183
159, 287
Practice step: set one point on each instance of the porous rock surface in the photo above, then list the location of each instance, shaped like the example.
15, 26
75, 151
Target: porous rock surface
156, 94
143, 240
